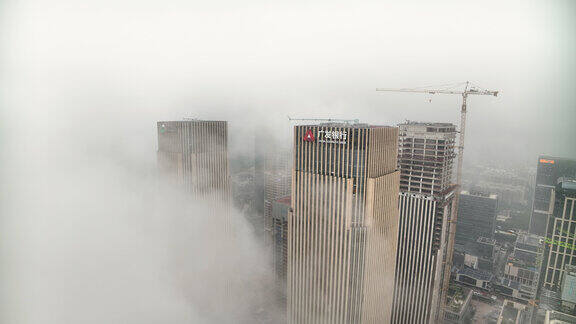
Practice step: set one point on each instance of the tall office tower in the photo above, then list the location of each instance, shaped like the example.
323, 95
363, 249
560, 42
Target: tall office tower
280, 211
561, 236
343, 224
194, 155
426, 155
476, 216
273, 175
549, 170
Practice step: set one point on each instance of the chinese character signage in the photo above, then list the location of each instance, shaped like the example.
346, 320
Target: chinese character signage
326, 136
334, 137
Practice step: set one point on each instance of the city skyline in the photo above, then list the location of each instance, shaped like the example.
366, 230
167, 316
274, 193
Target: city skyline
150, 169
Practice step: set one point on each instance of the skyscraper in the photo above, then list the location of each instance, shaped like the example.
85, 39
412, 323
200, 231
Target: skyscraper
549, 170
426, 155
273, 176
476, 216
343, 224
560, 239
280, 211
194, 155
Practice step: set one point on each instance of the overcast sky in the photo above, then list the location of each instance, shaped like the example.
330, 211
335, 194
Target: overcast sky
260, 61
82, 84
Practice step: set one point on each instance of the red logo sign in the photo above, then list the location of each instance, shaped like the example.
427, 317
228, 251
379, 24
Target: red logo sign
309, 136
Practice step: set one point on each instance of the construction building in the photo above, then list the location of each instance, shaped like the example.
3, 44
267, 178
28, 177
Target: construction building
343, 223
194, 155
425, 158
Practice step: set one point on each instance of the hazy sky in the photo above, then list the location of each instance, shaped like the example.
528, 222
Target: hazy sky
82, 84
262, 60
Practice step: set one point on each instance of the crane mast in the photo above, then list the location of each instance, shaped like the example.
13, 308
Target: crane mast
450, 89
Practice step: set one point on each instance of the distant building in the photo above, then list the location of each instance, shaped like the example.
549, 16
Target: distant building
476, 216
273, 177
568, 290
513, 313
549, 170
552, 309
505, 236
426, 159
343, 224
458, 307
523, 265
475, 278
561, 234
280, 211
555, 317
194, 155
477, 255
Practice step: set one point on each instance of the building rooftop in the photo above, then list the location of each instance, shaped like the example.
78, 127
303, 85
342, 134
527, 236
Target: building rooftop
457, 298
529, 239
417, 123
188, 120
510, 283
486, 240
479, 194
567, 183
476, 274
346, 125
555, 317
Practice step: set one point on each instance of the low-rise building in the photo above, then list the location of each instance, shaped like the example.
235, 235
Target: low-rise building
554, 317
568, 290
523, 266
458, 307
475, 278
513, 313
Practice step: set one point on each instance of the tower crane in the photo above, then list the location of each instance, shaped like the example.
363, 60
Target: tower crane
452, 89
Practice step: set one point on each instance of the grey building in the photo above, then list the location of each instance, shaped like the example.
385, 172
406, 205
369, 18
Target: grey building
425, 158
476, 216
458, 305
523, 264
273, 177
568, 290
194, 155
549, 170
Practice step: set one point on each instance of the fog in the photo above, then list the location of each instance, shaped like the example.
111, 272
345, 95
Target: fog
88, 234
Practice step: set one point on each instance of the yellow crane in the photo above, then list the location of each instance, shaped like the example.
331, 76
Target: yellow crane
451, 89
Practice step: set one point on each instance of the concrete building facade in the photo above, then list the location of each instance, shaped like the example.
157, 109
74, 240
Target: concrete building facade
426, 157
476, 216
523, 264
194, 155
343, 224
